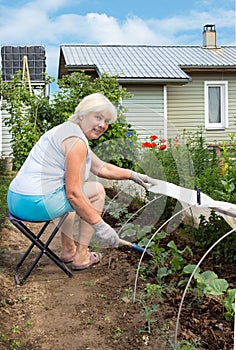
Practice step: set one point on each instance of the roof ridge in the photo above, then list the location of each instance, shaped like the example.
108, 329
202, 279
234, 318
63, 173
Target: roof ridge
138, 45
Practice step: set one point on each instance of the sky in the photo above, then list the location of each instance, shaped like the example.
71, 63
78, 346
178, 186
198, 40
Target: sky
51, 23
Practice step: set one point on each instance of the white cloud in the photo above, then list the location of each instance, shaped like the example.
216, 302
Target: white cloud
45, 22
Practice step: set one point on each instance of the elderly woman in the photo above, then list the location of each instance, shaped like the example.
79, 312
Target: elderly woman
53, 180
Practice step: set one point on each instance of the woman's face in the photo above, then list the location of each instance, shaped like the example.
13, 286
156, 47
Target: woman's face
94, 124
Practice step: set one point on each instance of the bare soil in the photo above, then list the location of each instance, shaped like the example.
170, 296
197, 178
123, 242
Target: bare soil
94, 309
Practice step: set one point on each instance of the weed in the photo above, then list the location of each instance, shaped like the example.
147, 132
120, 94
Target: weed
89, 283
127, 296
3, 337
118, 333
15, 329
15, 344
153, 291
3, 303
89, 321
187, 345
147, 314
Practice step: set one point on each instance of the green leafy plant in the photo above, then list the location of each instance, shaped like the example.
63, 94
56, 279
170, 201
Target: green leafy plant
30, 115
178, 261
137, 233
153, 291
209, 231
4, 183
118, 333
116, 210
207, 282
187, 345
229, 304
148, 311
15, 329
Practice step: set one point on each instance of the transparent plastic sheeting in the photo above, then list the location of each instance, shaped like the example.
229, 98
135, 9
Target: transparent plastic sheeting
200, 203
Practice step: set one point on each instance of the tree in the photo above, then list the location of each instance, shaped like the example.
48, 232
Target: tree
30, 115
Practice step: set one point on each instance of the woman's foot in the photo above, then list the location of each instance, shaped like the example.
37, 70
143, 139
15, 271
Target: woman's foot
67, 254
84, 258
94, 258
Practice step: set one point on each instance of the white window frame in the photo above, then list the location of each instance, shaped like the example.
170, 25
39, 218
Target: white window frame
223, 85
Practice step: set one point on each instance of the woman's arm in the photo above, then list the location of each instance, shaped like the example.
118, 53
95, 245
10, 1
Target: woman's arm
112, 172
107, 170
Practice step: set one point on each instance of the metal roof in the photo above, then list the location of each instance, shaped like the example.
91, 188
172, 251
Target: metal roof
148, 62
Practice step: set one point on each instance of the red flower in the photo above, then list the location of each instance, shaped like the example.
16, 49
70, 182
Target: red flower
153, 137
163, 140
153, 144
162, 147
146, 144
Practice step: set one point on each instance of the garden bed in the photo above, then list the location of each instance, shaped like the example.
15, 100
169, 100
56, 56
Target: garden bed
95, 309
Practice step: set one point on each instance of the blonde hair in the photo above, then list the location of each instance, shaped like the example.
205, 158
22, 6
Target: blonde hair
96, 102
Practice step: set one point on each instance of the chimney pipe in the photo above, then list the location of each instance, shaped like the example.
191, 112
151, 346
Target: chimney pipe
209, 36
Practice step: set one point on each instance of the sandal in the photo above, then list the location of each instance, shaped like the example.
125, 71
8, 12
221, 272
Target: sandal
94, 259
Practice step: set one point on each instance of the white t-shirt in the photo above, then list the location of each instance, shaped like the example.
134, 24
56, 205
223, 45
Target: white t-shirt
43, 171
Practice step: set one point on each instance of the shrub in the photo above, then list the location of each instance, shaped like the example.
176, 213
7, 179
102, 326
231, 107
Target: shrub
30, 115
209, 231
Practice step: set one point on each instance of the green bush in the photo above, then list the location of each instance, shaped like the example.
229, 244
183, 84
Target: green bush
209, 231
31, 115
4, 183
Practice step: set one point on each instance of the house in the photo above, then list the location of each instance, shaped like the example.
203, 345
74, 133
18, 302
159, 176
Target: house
175, 88
31, 61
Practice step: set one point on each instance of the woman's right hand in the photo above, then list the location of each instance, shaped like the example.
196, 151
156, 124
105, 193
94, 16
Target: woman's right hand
106, 234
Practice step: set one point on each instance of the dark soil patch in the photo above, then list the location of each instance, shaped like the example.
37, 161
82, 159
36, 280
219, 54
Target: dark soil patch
94, 309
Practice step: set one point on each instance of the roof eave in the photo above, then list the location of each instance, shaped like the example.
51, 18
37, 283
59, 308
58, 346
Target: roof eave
87, 68
155, 80
209, 67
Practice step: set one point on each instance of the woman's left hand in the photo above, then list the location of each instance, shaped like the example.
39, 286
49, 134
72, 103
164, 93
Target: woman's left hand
141, 179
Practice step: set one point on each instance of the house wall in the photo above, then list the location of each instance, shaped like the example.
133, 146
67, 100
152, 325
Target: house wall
185, 107
145, 110
5, 139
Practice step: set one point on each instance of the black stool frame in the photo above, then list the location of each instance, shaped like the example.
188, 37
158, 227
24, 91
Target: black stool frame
43, 246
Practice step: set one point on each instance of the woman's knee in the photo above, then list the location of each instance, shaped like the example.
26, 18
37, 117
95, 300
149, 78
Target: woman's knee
95, 189
101, 190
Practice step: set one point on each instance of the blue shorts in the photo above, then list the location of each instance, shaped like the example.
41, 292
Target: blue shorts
39, 208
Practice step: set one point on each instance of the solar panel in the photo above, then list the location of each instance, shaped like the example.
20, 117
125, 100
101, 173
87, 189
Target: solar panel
12, 61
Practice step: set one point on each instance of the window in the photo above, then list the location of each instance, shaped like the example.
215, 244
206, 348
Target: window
216, 104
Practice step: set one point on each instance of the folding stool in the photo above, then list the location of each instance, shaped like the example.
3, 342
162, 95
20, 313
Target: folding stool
36, 241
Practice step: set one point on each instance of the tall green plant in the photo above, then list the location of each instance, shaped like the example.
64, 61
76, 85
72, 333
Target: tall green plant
24, 116
31, 115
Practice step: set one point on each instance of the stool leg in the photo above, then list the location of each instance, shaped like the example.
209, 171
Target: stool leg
20, 226
44, 248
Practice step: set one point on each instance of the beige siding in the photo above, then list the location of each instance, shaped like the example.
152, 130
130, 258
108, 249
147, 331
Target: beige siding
6, 137
185, 107
145, 110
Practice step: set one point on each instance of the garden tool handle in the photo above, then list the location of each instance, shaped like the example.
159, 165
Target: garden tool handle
131, 245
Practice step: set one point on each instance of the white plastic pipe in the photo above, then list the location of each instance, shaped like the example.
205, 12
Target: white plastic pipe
235, 322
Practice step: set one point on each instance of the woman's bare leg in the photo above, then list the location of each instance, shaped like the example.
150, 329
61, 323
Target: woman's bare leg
76, 248
96, 195
67, 240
